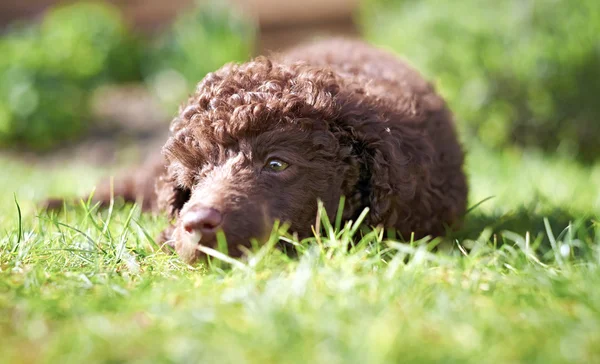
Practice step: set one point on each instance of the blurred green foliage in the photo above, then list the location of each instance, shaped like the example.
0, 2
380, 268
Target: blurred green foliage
515, 72
89, 43
200, 41
49, 70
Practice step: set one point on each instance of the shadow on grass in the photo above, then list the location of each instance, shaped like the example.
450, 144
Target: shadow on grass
538, 224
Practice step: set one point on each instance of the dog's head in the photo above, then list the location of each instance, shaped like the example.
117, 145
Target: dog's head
263, 141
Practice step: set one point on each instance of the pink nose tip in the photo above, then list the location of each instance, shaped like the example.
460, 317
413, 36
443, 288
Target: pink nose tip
203, 220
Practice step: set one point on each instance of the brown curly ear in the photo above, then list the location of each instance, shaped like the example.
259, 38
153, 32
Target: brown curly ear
397, 158
171, 195
180, 152
414, 179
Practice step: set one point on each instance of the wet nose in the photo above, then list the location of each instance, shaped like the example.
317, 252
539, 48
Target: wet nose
202, 220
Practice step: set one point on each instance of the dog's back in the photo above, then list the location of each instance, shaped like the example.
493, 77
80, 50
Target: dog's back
378, 72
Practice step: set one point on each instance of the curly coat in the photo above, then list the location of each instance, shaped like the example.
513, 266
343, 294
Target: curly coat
339, 118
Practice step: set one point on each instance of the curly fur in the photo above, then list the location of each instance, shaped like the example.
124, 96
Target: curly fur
351, 120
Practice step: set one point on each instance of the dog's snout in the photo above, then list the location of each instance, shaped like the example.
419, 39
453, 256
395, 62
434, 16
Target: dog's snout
203, 220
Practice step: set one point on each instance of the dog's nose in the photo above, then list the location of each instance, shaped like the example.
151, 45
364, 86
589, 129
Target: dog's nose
203, 220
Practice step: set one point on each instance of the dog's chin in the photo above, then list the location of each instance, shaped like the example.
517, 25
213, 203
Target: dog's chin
186, 246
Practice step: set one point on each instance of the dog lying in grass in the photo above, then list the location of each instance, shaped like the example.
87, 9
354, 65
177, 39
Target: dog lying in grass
265, 140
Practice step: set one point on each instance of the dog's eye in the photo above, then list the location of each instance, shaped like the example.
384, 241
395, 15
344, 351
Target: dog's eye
276, 165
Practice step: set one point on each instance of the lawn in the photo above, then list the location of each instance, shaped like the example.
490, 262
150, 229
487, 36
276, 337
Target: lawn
519, 283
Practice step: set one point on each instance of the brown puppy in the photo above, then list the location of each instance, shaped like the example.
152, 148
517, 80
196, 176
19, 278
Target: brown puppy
264, 140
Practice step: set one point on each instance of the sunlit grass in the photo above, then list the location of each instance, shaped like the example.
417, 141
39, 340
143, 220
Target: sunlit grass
518, 284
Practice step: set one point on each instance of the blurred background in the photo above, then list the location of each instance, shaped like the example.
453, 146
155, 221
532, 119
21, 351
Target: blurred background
100, 81
91, 75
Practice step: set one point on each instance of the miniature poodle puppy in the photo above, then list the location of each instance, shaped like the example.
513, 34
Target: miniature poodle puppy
265, 140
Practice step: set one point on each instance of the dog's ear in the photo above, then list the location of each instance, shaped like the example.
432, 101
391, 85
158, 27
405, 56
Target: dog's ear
181, 153
396, 158
171, 194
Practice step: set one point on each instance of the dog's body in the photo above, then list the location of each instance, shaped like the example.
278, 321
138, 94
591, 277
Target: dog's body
264, 140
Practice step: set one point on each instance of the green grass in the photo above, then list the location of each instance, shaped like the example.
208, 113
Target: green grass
520, 282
